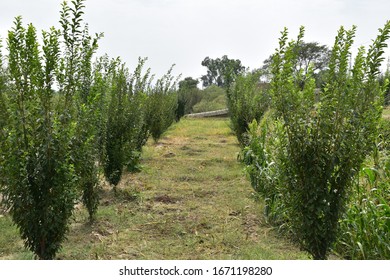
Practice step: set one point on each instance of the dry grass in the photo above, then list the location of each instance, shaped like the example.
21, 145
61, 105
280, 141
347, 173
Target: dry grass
191, 201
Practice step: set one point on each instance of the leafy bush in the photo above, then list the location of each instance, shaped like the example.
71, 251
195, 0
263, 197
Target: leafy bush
247, 101
50, 135
137, 117
116, 130
39, 173
126, 129
263, 166
303, 140
325, 141
87, 104
162, 105
188, 95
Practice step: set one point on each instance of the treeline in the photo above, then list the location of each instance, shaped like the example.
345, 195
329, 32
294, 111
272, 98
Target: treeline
65, 118
318, 152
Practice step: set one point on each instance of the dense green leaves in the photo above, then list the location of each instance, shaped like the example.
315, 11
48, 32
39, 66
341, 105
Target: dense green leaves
248, 100
303, 159
188, 96
162, 105
136, 109
327, 140
221, 71
62, 117
39, 173
310, 56
3, 116
364, 227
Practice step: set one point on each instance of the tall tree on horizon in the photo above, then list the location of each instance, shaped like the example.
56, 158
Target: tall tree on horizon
310, 55
221, 71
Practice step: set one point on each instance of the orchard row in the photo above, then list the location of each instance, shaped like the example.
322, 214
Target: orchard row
65, 117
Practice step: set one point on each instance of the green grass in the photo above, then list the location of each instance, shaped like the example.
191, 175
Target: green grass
191, 201
213, 98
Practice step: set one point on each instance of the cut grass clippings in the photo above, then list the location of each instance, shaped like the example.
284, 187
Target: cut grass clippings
190, 201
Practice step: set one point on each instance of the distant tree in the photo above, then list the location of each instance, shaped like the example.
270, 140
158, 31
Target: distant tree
188, 83
310, 55
188, 96
221, 71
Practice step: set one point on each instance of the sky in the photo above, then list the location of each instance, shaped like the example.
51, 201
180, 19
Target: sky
184, 32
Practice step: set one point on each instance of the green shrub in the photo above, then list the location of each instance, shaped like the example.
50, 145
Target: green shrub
87, 111
263, 166
39, 174
103, 70
162, 105
247, 101
188, 96
187, 99
50, 135
126, 129
116, 130
326, 140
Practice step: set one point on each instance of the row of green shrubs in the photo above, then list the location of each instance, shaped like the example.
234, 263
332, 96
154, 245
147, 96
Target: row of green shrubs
65, 119
320, 157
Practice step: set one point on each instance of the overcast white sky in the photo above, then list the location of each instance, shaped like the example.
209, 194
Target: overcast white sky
184, 32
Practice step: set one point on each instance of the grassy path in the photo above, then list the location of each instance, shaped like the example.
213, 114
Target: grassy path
191, 201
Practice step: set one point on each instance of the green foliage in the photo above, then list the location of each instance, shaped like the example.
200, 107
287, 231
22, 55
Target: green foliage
384, 135
61, 116
137, 116
263, 165
221, 71
364, 228
78, 77
162, 105
211, 98
188, 96
3, 113
103, 70
304, 156
311, 57
116, 130
50, 134
326, 141
188, 83
126, 128
40, 178
247, 101
382, 80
